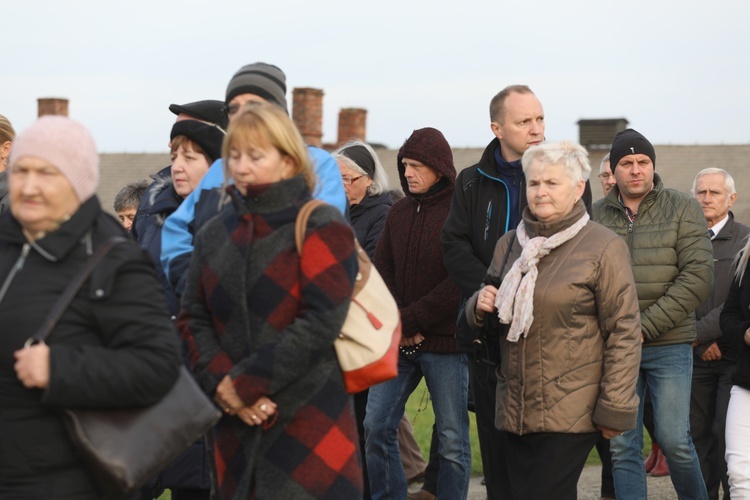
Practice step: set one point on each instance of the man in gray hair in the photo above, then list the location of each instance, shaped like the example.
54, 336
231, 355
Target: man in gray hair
606, 177
714, 358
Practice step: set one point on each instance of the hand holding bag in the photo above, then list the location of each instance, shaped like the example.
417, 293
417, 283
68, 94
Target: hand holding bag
367, 346
126, 447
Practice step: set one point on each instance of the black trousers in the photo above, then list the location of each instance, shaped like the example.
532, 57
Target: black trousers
482, 383
709, 399
608, 480
546, 464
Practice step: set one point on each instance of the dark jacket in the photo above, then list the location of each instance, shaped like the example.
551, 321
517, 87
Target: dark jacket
410, 259
478, 217
368, 218
735, 320
255, 310
114, 347
158, 202
4, 201
726, 245
671, 256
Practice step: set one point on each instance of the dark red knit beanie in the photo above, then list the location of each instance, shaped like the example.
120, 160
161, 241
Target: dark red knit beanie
428, 146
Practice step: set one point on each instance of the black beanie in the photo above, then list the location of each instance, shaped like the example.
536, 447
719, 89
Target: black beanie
208, 137
207, 111
261, 79
359, 155
630, 142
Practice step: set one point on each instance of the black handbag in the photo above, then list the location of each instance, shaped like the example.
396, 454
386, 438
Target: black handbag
127, 447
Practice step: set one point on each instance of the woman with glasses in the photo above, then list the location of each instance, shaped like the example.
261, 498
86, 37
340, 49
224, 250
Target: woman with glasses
366, 186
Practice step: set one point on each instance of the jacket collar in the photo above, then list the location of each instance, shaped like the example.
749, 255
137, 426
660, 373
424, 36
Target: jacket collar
546, 229
270, 198
58, 244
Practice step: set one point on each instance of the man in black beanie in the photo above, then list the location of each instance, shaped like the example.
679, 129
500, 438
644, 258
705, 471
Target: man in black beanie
672, 261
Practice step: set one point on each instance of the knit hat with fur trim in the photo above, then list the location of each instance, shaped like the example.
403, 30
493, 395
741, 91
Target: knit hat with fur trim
429, 147
261, 79
630, 142
208, 137
67, 145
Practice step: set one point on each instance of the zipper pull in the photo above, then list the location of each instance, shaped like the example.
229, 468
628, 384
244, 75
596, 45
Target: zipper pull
22, 258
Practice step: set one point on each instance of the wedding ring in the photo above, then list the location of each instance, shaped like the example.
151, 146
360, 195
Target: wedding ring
254, 417
263, 407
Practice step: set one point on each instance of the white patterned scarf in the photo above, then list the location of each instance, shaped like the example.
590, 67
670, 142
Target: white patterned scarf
515, 299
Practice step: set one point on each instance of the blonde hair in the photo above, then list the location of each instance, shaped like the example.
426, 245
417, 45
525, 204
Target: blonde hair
6, 131
264, 125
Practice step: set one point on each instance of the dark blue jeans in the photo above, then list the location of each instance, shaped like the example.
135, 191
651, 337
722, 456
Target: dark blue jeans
447, 379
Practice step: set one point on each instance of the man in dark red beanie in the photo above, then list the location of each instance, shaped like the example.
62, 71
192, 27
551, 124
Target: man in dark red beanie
410, 259
672, 260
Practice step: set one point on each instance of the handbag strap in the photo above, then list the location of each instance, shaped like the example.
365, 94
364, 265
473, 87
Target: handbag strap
71, 290
300, 224
495, 280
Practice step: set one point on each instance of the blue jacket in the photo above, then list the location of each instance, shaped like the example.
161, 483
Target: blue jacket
203, 203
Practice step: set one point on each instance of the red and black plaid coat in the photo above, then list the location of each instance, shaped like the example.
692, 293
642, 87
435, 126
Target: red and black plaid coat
253, 310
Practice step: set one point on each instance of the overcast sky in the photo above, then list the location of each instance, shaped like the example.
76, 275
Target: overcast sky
678, 71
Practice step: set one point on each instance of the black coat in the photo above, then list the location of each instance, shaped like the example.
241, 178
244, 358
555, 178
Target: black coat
735, 320
368, 218
158, 202
114, 347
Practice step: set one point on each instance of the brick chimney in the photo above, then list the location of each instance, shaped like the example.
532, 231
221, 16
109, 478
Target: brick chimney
352, 124
307, 113
52, 106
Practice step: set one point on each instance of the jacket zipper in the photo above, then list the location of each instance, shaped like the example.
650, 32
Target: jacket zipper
15, 269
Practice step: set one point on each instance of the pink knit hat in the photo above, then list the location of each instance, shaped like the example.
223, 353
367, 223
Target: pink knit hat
67, 145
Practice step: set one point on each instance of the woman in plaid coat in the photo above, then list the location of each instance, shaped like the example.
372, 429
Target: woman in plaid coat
259, 323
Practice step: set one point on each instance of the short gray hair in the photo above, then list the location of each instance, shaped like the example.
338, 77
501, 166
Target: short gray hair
379, 178
728, 179
130, 195
572, 156
604, 160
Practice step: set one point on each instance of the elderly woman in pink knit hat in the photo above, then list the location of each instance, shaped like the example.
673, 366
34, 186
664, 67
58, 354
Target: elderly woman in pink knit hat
113, 347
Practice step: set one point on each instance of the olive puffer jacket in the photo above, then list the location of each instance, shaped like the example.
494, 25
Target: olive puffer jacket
671, 256
578, 366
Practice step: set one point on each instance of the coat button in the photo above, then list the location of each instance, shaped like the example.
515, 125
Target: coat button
99, 293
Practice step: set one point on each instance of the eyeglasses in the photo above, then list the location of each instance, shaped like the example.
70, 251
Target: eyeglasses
606, 175
349, 181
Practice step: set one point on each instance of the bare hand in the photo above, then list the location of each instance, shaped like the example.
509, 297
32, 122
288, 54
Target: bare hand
259, 413
32, 366
486, 300
713, 353
227, 398
747, 336
411, 341
608, 433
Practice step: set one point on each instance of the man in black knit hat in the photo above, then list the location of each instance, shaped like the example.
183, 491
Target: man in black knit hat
672, 260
